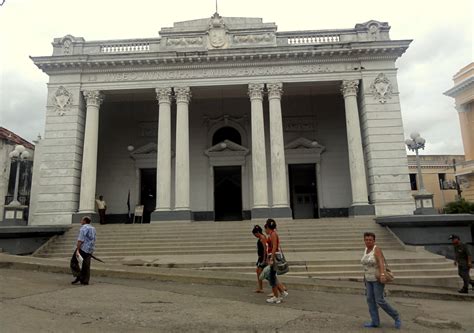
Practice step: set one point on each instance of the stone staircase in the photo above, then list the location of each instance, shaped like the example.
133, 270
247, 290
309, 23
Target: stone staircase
322, 249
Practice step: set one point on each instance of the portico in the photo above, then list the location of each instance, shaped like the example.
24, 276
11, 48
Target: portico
225, 107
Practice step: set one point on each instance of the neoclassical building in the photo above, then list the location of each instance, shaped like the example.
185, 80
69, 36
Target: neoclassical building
463, 94
224, 118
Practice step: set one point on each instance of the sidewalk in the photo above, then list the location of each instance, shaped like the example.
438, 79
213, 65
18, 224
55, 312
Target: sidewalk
222, 278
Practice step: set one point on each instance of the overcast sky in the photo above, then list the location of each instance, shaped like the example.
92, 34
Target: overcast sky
441, 32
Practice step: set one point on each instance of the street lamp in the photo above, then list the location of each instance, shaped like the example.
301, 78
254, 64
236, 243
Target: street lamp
423, 199
19, 154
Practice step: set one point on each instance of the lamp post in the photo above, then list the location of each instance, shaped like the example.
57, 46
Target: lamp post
423, 199
19, 154
14, 212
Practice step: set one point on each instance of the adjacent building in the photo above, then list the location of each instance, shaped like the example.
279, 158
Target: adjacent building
224, 118
8, 141
463, 94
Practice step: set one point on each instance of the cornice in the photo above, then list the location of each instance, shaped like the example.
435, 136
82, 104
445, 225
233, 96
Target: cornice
460, 87
335, 53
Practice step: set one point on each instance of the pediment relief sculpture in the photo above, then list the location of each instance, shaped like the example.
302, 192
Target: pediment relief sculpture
147, 151
303, 144
226, 147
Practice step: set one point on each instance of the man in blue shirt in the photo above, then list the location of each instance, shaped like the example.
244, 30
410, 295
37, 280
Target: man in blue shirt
85, 247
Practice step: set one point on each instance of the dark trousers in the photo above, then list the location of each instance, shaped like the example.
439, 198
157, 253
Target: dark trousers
102, 216
86, 267
464, 274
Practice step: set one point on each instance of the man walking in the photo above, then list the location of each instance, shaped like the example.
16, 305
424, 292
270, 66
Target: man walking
463, 259
85, 247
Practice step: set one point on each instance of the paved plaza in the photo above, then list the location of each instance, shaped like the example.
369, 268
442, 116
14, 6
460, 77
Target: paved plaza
32, 301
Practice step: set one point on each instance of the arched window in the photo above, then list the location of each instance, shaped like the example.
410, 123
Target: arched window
226, 133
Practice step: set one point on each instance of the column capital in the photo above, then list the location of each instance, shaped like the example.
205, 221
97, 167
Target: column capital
462, 108
163, 95
275, 90
349, 87
256, 90
93, 97
182, 94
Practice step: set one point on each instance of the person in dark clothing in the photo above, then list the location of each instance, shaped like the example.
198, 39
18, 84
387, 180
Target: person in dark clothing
262, 255
463, 259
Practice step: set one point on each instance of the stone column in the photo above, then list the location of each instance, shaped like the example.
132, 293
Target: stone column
280, 207
163, 156
360, 205
89, 154
182, 187
259, 165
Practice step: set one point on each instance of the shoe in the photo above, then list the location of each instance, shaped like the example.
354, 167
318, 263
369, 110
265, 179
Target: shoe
85, 283
370, 325
398, 323
76, 281
284, 294
463, 291
270, 295
275, 300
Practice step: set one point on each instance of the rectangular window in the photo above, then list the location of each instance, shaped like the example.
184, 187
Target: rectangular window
442, 181
413, 183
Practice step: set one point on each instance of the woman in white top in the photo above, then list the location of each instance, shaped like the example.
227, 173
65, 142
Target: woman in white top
374, 277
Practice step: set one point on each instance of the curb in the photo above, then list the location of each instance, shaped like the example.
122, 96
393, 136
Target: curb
222, 278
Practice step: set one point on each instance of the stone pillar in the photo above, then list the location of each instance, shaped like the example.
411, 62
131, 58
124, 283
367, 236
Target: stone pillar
259, 166
89, 154
280, 206
182, 209
360, 205
163, 156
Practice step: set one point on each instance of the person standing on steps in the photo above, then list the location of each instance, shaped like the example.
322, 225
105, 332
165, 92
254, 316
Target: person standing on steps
463, 260
101, 207
374, 265
85, 247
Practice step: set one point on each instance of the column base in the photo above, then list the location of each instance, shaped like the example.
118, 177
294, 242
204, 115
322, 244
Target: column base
77, 217
361, 210
281, 212
171, 215
260, 213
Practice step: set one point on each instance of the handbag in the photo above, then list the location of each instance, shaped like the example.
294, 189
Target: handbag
389, 276
281, 266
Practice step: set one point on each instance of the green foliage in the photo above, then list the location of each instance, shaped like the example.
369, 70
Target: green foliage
460, 207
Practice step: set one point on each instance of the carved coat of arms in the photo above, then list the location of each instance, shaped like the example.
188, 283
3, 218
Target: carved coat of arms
381, 88
62, 100
217, 32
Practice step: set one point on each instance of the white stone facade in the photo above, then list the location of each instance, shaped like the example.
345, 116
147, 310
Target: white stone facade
315, 113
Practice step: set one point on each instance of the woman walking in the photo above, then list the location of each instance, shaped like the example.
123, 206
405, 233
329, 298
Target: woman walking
273, 246
374, 278
262, 255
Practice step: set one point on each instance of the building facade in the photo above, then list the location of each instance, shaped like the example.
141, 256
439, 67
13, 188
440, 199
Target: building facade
224, 119
8, 168
463, 94
439, 177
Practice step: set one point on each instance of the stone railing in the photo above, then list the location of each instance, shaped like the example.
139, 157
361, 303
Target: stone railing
125, 48
313, 39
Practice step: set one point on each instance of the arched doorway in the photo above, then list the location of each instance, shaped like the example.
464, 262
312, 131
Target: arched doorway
227, 178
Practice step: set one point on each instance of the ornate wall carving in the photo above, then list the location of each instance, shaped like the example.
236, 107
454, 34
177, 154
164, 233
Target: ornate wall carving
381, 88
62, 100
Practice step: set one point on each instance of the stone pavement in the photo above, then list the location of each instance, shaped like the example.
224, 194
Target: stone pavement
32, 301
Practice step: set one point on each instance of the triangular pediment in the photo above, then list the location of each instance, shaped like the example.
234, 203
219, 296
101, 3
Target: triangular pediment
149, 148
303, 143
226, 147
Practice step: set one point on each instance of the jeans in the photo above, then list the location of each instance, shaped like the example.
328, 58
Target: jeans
375, 299
463, 272
273, 277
